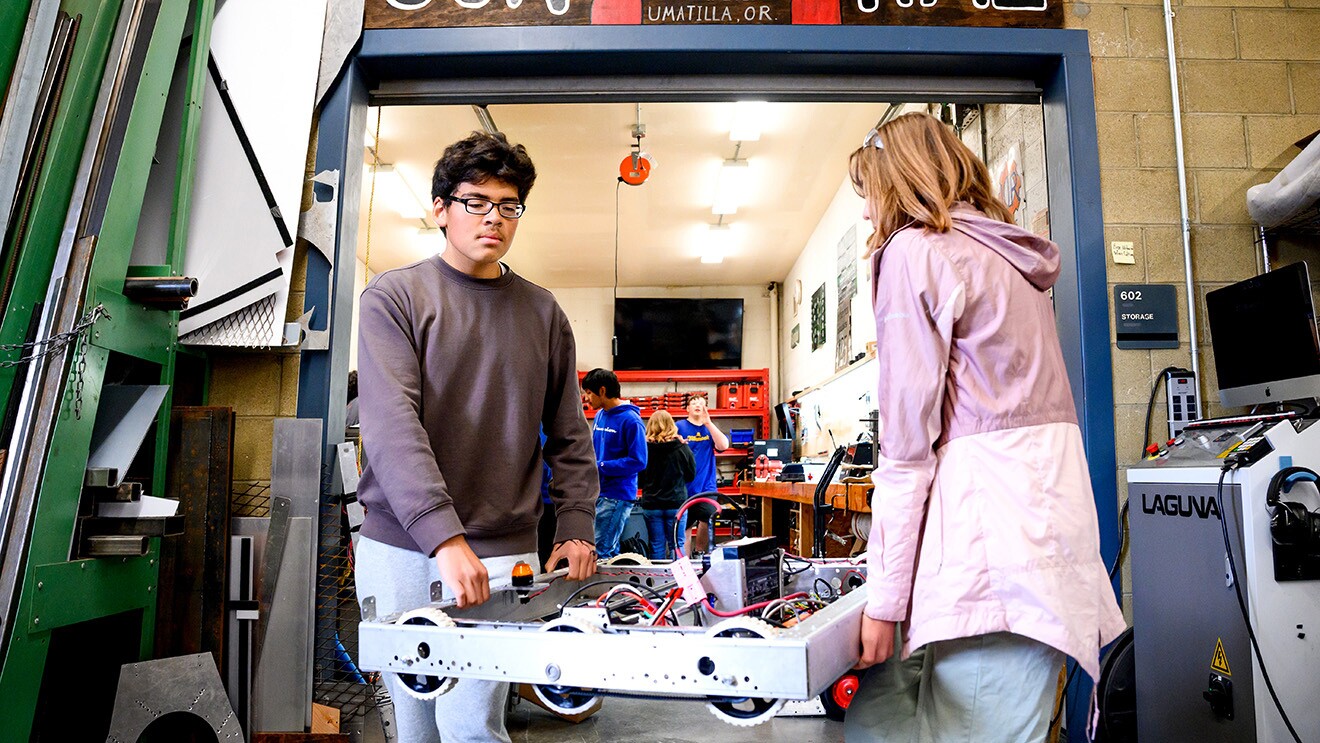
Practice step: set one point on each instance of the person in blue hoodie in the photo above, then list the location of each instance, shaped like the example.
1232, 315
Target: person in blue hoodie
620, 441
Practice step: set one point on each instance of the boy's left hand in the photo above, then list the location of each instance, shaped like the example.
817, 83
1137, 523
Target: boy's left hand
581, 557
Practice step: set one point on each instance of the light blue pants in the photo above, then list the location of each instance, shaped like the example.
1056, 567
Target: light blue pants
472, 711
611, 516
996, 688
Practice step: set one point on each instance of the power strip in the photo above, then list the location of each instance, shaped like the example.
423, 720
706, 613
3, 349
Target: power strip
1184, 407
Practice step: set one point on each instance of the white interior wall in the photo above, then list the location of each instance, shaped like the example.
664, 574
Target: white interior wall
359, 285
591, 311
802, 367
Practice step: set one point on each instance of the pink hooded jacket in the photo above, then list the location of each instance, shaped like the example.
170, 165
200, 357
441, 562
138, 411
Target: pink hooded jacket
979, 437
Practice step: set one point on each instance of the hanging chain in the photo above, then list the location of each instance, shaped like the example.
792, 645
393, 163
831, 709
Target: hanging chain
58, 342
55, 342
371, 199
79, 374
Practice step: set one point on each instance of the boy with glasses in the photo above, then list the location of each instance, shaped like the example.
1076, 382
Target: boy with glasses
461, 362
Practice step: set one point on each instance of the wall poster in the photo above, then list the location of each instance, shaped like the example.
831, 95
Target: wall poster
818, 318
846, 262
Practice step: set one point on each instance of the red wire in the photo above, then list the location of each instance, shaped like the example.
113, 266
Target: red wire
753, 607
678, 515
649, 606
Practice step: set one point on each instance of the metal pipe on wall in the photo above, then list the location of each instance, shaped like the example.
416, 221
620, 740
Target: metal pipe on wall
1182, 205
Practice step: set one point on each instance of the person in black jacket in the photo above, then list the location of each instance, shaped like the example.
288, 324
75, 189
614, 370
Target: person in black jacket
669, 467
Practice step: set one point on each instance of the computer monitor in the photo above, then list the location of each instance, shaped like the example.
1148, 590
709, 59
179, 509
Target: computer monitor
1266, 348
784, 413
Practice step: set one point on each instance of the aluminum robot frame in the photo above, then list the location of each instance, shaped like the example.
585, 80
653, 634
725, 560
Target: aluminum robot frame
575, 648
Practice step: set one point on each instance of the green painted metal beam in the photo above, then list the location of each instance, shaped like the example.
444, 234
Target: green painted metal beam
66, 593
13, 22
35, 257
194, 91
77, 591
133, 329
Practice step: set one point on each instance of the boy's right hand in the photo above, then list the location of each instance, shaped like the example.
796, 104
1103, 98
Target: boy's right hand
461, 572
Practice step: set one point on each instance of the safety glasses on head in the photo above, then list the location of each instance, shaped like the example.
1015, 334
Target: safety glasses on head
873, 139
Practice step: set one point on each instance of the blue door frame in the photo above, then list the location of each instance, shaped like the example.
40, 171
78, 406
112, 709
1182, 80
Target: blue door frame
1058, 62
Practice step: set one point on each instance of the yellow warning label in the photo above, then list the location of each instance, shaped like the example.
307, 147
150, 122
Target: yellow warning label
1219, 662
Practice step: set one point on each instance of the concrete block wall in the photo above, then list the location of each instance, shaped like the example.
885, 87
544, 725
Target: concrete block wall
1249, 72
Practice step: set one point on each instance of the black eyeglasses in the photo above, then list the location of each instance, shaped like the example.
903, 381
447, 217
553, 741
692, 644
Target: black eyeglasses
482, 207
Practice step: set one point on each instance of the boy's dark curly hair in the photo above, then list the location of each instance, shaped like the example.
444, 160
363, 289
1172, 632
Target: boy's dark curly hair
479, 158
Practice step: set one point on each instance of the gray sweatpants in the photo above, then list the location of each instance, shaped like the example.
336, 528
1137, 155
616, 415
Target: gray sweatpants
471, 712
984, 689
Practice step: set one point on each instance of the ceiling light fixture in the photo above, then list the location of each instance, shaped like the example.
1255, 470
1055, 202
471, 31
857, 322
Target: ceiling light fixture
731, 186
748, 117
392, 187
715, 242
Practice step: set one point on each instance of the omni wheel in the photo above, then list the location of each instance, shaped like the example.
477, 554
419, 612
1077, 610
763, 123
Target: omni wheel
839, 696
567, 700
627, 559
743, 711
421, 686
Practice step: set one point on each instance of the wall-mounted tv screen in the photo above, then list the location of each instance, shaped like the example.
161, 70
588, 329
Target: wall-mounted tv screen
678, 333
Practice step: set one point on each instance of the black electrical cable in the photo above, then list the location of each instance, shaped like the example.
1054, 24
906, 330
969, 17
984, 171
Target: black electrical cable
611, 582
807, 563
1122, 540
1242, 604
820, 507
832, 593
1150, 404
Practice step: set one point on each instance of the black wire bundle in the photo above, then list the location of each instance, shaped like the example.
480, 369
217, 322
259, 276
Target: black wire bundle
822, 508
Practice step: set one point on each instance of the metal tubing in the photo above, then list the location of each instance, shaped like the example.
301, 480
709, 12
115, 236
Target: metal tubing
1182, 203
17, 120
116, 545
161, 292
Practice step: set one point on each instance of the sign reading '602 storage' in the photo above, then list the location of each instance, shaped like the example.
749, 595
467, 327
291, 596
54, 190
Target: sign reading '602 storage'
458, 13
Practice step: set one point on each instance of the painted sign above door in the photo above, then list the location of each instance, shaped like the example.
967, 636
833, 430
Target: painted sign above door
467, 13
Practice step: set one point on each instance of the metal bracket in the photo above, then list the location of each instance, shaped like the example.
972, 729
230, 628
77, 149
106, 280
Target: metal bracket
301, 334
320, 222
155, 688
346, 463
276, 538
369, 609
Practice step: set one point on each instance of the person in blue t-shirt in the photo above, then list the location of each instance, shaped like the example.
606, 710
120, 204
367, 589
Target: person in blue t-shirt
704, 438
620, 440
545, 527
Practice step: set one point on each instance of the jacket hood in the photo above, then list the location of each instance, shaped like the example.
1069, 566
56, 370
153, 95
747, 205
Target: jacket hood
666, 445
622, 407
1035, 257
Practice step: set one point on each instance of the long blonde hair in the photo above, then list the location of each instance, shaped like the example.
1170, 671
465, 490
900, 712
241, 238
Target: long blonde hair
661, 427
920, 170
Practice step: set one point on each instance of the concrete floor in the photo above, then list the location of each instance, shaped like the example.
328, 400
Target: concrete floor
637, 721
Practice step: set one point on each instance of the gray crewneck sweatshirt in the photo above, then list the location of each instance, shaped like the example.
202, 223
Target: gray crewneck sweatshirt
456, 377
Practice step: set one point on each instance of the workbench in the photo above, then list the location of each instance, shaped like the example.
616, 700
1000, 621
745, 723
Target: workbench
847, 497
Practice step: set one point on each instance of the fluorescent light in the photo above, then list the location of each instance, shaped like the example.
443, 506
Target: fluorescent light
715, 242
748, 116
392, 189
730, 186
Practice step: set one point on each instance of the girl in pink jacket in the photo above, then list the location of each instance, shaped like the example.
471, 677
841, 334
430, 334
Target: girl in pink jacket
984, 538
